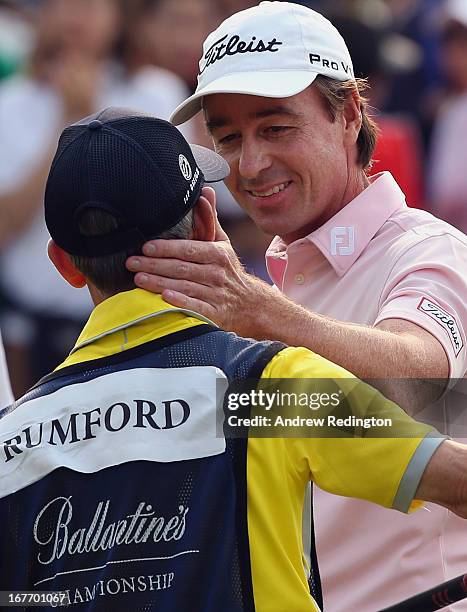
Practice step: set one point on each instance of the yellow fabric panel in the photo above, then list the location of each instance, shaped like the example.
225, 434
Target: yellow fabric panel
275, 501
369, 468
279, 469
120, 310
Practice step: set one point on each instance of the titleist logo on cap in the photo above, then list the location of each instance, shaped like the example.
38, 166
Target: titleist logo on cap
234, 45
275, 49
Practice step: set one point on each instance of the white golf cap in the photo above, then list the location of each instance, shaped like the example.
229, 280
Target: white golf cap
457, 10
275, 50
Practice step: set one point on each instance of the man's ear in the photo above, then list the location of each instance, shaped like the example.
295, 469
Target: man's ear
62, 262
352, 117
205, 216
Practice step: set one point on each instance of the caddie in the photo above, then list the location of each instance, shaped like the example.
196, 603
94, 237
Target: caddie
118, 489
366, 281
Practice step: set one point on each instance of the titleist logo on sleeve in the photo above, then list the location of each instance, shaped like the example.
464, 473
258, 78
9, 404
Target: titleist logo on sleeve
447, 321
222, 47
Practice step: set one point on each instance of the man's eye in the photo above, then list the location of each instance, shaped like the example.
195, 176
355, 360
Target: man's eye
228, 138
276, 129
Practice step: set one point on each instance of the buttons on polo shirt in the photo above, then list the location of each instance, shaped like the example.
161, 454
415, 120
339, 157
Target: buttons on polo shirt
299, 279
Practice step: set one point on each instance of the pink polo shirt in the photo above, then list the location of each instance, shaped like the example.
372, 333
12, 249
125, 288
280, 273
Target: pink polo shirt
378, 259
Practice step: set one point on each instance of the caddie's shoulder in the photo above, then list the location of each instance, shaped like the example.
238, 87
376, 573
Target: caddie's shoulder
300, 362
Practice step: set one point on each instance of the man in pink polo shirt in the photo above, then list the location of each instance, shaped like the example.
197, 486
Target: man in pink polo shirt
369, 283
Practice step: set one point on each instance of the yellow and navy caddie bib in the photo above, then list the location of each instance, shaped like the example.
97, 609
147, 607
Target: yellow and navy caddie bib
116, 488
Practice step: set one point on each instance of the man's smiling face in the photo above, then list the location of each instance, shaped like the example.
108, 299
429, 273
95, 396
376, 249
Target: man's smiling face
291, 164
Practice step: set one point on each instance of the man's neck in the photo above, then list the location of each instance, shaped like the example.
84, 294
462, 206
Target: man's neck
355, 186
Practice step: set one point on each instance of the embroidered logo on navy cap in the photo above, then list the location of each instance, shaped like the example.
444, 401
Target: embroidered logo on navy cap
185, 167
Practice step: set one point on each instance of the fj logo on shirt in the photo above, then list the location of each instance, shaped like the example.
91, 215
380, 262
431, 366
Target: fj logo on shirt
446, 321
342, 240
234, 45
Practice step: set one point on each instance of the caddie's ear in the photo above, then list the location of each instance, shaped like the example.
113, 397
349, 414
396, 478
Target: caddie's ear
205, 216
61, 260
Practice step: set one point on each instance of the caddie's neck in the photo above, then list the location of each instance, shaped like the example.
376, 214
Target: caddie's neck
97, 296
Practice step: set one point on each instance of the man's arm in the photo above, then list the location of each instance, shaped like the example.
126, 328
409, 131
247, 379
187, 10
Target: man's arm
444, 481
215, 284
399, 466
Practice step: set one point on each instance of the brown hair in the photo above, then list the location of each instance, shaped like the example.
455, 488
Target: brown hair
335, 93
108, 272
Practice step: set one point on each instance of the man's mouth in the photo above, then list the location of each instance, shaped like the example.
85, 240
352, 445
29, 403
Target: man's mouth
271, 191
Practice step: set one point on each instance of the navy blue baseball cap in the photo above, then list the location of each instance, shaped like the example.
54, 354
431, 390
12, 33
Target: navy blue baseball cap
132, 165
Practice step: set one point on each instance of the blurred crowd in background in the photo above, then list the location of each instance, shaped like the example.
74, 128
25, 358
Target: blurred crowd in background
61, 60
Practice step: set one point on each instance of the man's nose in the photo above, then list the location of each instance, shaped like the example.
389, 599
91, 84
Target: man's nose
254, 158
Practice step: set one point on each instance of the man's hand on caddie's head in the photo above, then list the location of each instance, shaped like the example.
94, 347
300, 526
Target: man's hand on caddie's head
206, 277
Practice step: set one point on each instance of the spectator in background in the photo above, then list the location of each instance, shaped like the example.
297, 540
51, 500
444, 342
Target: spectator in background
170, 34
448, 176
453, 47
72, 73
15, 37
399, 148
6, 397
413, 48
229, 7
410, 45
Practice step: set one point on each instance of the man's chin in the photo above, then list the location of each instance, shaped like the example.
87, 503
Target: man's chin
270, 228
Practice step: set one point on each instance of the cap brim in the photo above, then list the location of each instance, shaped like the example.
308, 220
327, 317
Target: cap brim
276, 84
212, 165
